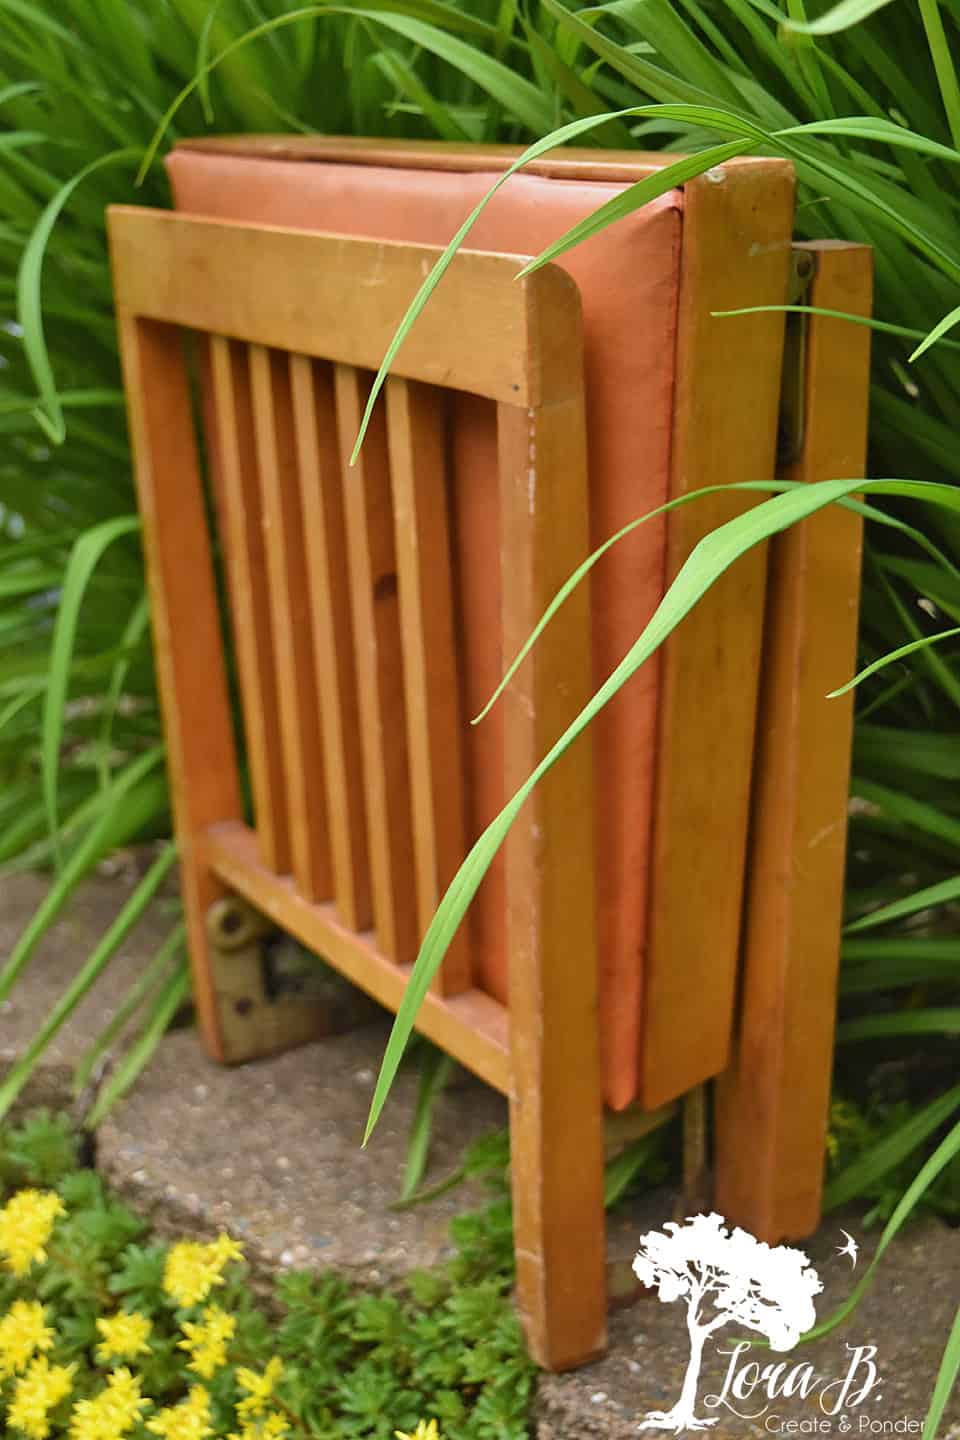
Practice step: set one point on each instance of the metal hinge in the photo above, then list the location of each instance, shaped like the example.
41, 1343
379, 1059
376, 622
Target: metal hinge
272, 994
790, 431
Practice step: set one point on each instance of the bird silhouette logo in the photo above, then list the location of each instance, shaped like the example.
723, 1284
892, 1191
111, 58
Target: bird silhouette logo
851, 1248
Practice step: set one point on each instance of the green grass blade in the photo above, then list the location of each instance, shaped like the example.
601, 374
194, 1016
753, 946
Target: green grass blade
887, 1153
83, 561
942, 64
436, 1067
939, 330
175, 993
891, 656
904, 1022
85, 977
840, 17
945, 1153
946, 1379
29, 295
942, 893
131, 1003
134, 632
115, 820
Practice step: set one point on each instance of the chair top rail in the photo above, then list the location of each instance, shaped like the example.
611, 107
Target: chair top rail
340, 298
566, 162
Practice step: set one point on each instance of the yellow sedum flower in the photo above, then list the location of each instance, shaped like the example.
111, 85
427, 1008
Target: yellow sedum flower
23, 1331
112, 1413
192, 1269
259, 1387
207, 1341
37, 1393
125, 1336
190, 1420
269, 1427
426, 1430
25, 1224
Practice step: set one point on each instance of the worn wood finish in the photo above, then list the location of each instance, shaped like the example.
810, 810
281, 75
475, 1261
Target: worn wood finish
241, 525
470, 1026
324, 532
416, 430
556, 1108
333, 297
736, 252
567, 162
188, 645
290, 613
376, 628
772, 1103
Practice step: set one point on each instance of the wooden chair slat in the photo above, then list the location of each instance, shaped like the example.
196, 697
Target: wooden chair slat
324, 531
416, 434
241, 527
372, 567
290, 613
736, 252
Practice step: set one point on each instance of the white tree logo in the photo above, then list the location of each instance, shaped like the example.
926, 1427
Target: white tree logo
724, 1277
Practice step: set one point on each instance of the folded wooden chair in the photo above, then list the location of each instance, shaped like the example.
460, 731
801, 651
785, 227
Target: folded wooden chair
609, 957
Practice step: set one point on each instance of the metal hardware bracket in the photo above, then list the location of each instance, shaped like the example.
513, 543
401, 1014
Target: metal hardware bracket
273, 995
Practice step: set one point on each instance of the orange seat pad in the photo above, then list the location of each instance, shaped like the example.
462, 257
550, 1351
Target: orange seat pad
629, 279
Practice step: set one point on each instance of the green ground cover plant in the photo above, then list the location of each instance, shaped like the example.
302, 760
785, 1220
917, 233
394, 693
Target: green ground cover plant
105, 1332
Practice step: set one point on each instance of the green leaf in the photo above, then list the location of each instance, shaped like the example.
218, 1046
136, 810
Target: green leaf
887, 1153
940, 894
902, 1022
174, 994
945, 1153
891, 656
84, 559
123, 810
840, 17
29, 306
946, 1379
87, 974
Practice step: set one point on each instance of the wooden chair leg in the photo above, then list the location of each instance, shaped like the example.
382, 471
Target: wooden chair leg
556, 1106
772, 1102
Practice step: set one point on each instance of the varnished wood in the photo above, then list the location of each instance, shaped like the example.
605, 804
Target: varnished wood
567, 162
241, 526
416, 430
736, 252
470, 1026
188, 645
334, 297
382, 713
772, 1103
290, 613
321, 493
556, 1108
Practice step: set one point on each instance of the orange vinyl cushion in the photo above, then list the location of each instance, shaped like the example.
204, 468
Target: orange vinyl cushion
628, 277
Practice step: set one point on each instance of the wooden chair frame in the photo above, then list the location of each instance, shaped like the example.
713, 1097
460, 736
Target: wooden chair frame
338, 300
